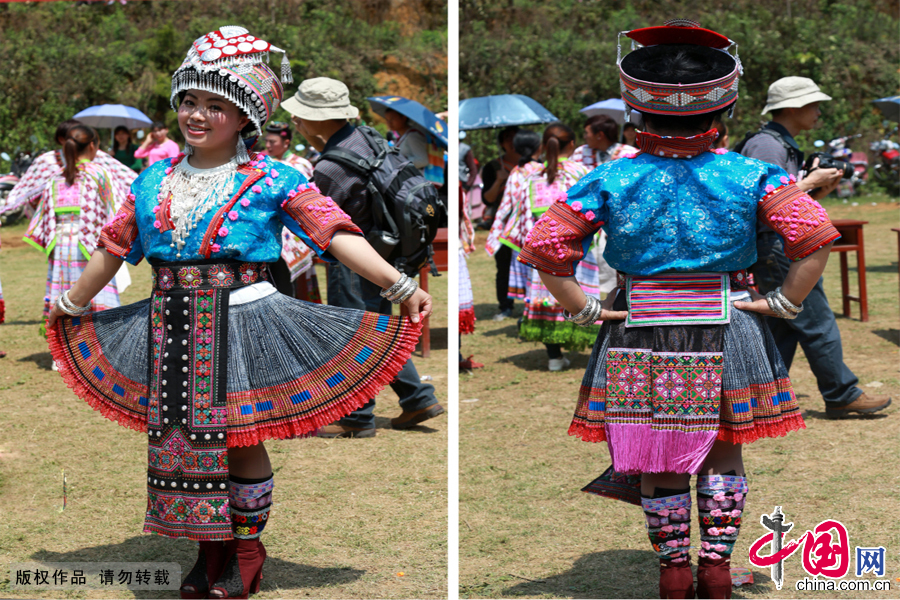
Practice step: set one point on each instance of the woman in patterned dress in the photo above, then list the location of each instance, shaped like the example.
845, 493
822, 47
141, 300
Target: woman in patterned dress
530, 191
75, 203
692, 373
230, 361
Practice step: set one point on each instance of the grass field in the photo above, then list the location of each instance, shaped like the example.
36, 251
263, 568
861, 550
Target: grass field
352, 518
527, 531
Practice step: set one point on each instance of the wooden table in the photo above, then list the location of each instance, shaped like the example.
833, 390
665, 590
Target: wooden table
442, 262
852, 241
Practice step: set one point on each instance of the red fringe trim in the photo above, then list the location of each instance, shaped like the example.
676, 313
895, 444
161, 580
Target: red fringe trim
2, 311
408, 337
783, 427
87, 393
467, 321
586, 433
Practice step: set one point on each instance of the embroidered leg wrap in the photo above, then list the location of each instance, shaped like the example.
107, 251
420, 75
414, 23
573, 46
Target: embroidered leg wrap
250, 501
720, 502
669, 528
669, 525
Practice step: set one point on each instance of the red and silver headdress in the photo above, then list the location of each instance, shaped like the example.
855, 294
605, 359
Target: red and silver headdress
718, 89
233, 64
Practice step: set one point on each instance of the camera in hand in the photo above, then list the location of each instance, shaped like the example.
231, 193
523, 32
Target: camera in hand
826, 161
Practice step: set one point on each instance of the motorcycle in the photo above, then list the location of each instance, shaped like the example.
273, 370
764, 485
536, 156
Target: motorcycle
887, 171
839, 149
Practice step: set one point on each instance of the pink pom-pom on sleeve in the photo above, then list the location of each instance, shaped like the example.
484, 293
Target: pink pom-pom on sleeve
223, 231
770, 188
245, 203
233, 215
577, 206
215, 247
157, 224
256, 189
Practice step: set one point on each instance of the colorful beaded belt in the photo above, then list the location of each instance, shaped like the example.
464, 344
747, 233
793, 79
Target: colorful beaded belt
186, 276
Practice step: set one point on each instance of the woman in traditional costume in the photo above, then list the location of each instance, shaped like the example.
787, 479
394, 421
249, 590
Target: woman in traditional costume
75, 204
215, 361
29, 188
691, 373
532, 189
464, 283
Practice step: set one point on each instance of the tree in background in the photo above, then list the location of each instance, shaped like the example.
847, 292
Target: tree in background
562, 53
60, 58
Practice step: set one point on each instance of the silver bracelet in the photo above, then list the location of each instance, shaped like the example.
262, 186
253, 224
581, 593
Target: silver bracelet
790, 306
394, 290
401, 291
779, 309
69, 307
588, 315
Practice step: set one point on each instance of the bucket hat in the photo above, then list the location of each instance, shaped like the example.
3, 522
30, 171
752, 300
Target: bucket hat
793, 92
321, 99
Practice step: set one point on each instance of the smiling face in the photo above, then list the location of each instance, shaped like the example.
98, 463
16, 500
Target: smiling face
209, 121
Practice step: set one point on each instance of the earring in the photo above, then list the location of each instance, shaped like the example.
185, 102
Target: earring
241, 156
188, 149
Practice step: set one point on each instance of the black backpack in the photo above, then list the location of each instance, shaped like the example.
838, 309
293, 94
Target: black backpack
405, 206
791, 151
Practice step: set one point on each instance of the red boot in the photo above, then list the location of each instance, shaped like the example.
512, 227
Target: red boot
714, 577
243, 569
210, 561
675, 579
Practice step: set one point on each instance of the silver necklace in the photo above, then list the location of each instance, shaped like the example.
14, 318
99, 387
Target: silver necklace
194, 193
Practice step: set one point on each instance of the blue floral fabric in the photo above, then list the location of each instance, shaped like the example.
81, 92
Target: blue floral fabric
255, 236
676, 214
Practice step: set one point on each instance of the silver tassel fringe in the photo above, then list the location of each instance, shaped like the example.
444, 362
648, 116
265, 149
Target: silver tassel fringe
286, 76
241, 157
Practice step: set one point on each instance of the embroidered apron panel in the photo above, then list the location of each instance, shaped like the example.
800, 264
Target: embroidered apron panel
187, 478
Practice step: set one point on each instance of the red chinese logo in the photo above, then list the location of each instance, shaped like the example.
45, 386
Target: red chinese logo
822, 553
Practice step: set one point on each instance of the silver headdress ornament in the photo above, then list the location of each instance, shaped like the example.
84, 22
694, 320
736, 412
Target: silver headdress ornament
233, 64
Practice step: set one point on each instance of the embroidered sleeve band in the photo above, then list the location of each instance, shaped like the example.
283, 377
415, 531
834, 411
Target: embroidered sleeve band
318, 215
801, 221
555, 244
118, 236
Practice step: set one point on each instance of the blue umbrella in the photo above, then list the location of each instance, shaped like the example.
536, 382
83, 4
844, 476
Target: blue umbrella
425, 120
890, 107
110, 116
489, 112
614, 107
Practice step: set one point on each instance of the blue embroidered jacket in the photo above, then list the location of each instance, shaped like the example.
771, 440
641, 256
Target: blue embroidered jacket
677, 206
246, 226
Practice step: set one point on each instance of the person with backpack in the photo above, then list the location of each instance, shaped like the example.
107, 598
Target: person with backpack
320, 111
794, 104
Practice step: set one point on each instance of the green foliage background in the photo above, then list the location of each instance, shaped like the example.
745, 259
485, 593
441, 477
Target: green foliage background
59, 58
562, 53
